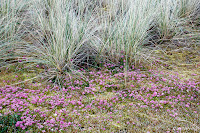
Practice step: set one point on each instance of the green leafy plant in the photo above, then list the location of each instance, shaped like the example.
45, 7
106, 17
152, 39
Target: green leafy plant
7, 123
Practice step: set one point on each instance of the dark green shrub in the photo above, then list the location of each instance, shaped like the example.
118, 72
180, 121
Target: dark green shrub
7, 123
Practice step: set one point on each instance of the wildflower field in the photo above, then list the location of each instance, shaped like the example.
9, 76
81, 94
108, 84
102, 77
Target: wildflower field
113, 66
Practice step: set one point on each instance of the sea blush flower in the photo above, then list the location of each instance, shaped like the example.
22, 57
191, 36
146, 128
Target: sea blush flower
52, 121
154, 94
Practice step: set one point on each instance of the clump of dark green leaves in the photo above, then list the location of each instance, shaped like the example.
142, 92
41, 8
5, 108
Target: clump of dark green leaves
7, 123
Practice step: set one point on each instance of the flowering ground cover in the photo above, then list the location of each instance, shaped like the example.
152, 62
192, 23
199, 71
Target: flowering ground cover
108, 100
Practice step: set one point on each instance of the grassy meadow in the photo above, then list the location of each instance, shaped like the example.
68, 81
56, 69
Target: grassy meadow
113, 66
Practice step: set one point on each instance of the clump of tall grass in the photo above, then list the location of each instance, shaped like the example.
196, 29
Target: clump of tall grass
59, 37
9, 9
125, 32
11, 23
174, 14
63, 35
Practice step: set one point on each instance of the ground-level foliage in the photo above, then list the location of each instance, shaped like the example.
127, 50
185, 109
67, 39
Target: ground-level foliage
149, 101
